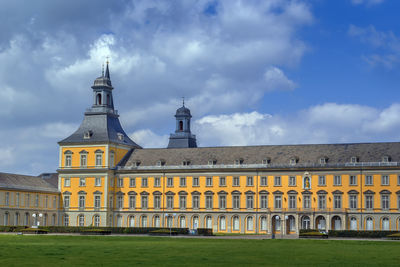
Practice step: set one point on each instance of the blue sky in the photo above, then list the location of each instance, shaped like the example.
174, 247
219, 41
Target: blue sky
252, 72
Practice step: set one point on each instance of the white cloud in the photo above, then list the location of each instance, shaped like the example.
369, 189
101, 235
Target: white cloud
276, 80
148, 139
326, 123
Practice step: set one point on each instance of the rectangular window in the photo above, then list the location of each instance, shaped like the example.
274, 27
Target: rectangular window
144, 202
97, 181
157, 202
97, 202
7, 198
385, 179
120, 182
321, 180
132, 202
306, 202
144, 181
222, 181
46, 201
182, 202
132, 182
337, 180
68, 160
170, 181
249, 202
353, 202
398, 180
277, 181
209, 181
278, 202
264, 201
321, 202
111, 202
337, 202
120, 202
195, 181
28, 200
111, 182
182, 182
236, 202
398, 202
17, 199
292, 202
67, 182
369, 180
292, 180
81, 201
99, 160
37, 200
195, 202
83, 160
82, 182
369, 202
222, 202
66, 201
54, 202
170, 202
353, 180
157, 181
209, 202
385, 202
249, 180
264, 181
236, 181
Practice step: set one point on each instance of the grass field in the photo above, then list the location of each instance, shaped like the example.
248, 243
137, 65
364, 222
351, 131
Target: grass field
129, 250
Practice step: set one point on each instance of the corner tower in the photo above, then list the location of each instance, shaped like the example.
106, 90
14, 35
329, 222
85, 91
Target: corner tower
182, 138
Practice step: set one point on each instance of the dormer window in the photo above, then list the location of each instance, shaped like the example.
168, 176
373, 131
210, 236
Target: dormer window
161, 162
386, 159
212, 162
120, 136
266, 161
353, 159
239, 161
136, 163
323, 160
186, 162
87, 134
293, 161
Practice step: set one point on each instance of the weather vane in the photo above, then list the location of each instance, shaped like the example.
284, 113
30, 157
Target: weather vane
183, 100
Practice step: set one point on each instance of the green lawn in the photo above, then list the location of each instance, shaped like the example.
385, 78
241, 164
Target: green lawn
128, 250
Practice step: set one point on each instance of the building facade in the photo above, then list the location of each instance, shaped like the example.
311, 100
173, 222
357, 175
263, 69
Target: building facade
106, 179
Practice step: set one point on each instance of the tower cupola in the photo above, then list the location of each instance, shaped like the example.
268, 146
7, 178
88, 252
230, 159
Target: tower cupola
102, 92
182, 136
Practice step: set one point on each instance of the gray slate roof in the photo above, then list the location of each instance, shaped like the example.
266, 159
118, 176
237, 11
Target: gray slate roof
278, 154
104, 127
26, 183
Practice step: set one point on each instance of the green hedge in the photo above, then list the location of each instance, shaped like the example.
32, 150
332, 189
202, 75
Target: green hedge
360, 234
78, 229
204, 231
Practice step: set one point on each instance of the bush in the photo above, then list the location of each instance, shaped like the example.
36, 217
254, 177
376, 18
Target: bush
34, 231
360, 234
12, 228
204, 231
165, 231
95, 232
312, 234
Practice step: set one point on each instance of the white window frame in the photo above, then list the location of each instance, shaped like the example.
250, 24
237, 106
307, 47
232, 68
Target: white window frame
263, 181
292, 180
337, 180
277, 181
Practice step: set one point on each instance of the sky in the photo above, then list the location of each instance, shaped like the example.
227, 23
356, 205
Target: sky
252, 72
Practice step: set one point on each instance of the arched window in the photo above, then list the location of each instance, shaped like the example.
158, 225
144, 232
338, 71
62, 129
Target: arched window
119, 221
263, 223
208, 222
305, 222
144, 221
108, 99
353, 223
385, 224
98, 97
236, 223
156, 221
131, 221
195, 222
27, 218
250, 224
180, 125
222, 223
169, 221
16, 219
182, 222
66, 220
6, 218
370, 224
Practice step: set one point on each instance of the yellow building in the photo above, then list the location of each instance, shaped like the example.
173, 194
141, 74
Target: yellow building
29, 200
106, 179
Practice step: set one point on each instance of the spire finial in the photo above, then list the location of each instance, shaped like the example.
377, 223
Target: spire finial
183, 101
107, 75
102, 69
